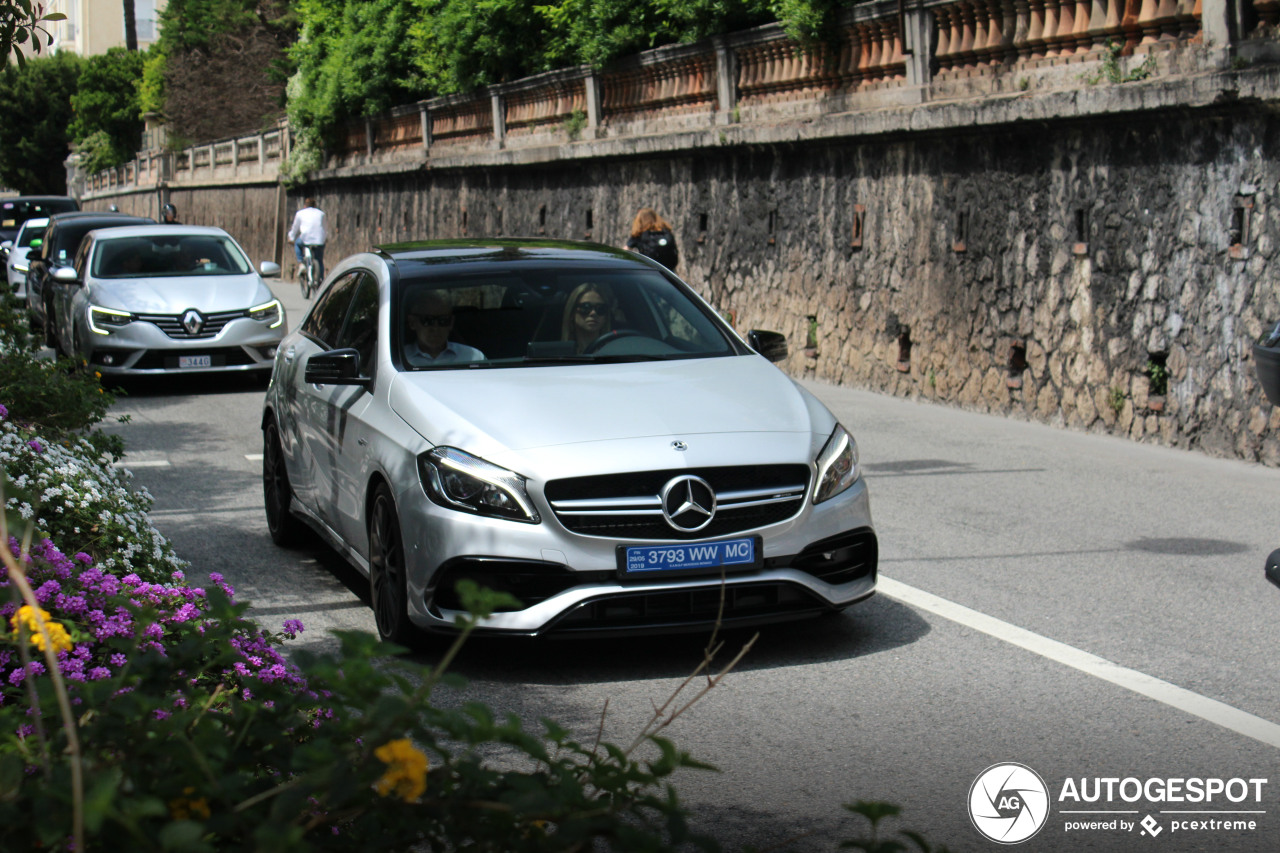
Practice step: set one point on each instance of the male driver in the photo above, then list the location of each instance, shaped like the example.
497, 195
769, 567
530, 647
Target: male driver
431, 320
308, 229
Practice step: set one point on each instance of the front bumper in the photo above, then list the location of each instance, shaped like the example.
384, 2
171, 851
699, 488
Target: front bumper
141, 348
822, 560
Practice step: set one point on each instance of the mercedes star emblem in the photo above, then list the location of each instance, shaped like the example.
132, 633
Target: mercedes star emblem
688, 503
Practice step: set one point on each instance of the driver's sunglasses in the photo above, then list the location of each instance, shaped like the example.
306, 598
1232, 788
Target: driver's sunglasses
585, 308
433, 319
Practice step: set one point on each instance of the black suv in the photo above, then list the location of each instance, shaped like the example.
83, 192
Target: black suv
18, 209
61, 240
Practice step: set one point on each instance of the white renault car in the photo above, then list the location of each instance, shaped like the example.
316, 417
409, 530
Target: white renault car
30, 235
567, 423
144, 300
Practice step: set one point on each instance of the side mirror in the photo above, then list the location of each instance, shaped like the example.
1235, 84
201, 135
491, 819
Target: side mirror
336, 367
6, 245
268, 269
66, 275
771, 345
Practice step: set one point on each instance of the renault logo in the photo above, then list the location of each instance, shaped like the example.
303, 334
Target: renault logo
192, 322
688, 503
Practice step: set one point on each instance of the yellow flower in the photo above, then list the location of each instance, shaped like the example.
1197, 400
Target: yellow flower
28, 617
406, 775
184, 808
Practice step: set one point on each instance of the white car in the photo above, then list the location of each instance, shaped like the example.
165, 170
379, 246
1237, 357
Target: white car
567, 423
29, 237
158, 299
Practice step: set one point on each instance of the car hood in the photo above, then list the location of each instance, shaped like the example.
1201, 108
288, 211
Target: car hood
175, 294
505, 415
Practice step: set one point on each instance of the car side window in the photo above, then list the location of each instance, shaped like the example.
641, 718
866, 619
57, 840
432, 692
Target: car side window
82, 255
325, 320
360, 332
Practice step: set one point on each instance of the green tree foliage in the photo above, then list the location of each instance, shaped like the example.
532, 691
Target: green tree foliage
361, 57
22, 29
354, 58
106, 108
207, 39
34, 136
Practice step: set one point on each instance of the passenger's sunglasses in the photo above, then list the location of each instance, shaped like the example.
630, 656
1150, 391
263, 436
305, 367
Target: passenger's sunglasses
585, 308
433, 319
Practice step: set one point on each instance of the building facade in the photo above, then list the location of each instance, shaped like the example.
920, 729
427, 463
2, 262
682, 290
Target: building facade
94, 26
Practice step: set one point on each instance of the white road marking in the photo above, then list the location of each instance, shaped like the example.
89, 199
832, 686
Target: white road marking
141, 463
253, 457
1218, 713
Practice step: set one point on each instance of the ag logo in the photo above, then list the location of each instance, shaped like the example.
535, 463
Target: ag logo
1008, 803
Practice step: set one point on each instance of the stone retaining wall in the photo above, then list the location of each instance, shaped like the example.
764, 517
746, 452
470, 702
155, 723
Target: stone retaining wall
1038, 271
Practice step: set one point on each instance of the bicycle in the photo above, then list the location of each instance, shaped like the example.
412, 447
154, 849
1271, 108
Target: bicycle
307, 273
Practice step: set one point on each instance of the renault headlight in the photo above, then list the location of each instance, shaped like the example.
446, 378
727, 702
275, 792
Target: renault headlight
837, 465
268, 311
460, 481
104, 321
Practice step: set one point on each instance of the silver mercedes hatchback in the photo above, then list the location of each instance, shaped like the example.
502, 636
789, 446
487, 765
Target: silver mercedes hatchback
567, 423
161, 299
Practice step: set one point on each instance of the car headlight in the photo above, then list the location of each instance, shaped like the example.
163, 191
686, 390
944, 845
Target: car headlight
837, 465
268, 311
104, 320
19, 267
460, 481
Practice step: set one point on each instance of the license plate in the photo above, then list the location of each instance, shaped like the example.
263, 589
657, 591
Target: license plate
689, 557
195, 361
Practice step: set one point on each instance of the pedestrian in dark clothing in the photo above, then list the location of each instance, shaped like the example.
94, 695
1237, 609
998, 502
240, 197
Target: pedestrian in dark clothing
170, 215
651, 236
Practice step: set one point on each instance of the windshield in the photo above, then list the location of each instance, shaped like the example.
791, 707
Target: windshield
537, 317
168, 255
32, 234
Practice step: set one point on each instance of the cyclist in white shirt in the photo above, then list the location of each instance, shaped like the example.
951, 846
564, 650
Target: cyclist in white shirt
308, 229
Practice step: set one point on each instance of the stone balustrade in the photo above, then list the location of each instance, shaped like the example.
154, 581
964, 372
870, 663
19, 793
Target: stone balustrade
254, 158
937, 50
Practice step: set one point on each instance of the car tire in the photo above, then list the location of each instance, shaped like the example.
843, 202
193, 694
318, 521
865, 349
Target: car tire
50, 336
388, 586
286, 529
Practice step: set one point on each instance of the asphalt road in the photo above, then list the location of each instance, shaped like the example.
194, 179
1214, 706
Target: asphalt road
1081, 605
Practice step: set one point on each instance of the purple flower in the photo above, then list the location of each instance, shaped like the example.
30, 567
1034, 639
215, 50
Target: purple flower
36, 446
4, 413
292, 628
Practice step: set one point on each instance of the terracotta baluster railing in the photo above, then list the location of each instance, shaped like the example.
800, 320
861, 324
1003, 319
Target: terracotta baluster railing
942, 50
1148, 22
1188, 18
1006, 23
1167, 19
875, 57
1035, 29
847, 68
983, 48
964, 52
1104, 24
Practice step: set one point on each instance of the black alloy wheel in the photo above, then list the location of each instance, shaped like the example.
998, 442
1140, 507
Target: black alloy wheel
285, 528
387, 581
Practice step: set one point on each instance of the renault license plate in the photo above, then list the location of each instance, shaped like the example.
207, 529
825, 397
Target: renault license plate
689, 557
185, 361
